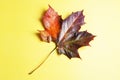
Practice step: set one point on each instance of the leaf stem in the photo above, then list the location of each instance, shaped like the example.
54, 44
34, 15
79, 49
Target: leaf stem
42, 62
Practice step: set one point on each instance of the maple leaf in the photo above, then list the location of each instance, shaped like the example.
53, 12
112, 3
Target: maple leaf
64, 33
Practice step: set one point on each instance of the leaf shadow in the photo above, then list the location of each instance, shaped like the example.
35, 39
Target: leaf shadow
38, 36
41, 16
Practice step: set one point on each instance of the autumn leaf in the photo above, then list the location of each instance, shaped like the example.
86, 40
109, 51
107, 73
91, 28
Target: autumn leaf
52, 24
65, 33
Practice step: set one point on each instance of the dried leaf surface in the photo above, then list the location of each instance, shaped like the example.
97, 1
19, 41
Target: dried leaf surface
65, 33
52, 23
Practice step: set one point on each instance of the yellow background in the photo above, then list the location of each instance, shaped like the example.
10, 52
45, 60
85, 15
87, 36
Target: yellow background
21, 50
